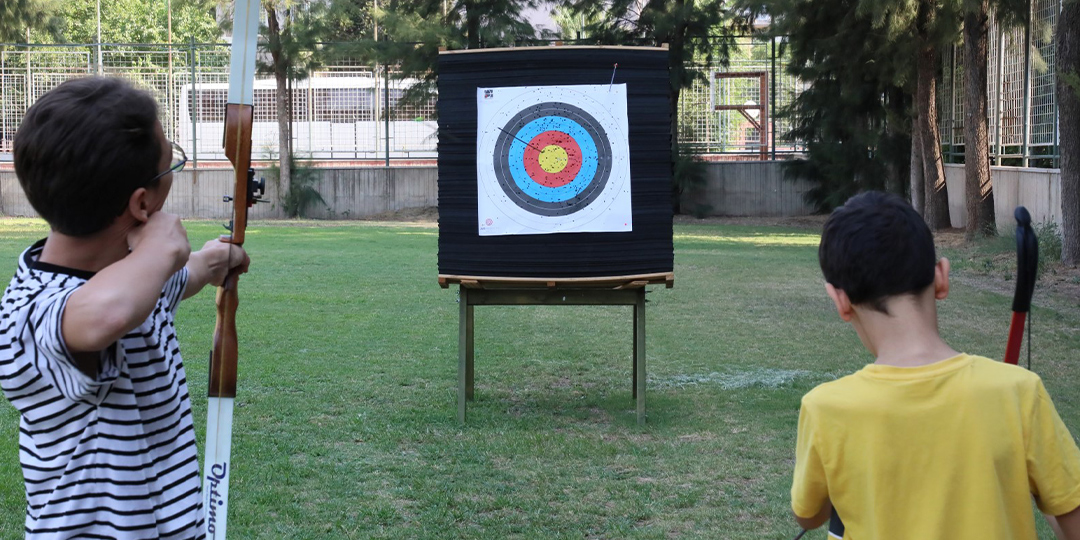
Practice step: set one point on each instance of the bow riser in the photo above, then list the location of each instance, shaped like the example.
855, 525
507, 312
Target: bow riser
238, 122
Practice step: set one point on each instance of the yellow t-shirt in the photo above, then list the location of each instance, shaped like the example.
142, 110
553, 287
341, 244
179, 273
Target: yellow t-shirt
953, 450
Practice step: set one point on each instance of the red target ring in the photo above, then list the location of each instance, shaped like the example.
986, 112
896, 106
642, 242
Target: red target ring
544, 157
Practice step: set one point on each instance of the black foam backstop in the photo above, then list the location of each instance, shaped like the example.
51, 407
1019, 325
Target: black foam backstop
644, 250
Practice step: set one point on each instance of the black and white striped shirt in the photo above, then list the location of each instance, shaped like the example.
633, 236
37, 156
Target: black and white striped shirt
112, 456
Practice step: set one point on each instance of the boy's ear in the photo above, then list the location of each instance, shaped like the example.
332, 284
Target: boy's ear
941, 279
139, 205
843, 303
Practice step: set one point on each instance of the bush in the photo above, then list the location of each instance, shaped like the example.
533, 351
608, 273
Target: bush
301, 194
688, 173
1049, 236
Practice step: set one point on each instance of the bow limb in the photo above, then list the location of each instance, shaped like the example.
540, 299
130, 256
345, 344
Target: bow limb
1027, 265
239, 114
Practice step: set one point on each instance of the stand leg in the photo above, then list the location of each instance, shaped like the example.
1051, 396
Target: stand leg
633, 379
639, 355
469, 352
463, 348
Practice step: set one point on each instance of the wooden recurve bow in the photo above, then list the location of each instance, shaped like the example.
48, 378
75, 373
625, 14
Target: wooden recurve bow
223, 358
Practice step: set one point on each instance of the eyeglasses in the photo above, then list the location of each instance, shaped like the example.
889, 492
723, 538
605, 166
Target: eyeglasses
179, 159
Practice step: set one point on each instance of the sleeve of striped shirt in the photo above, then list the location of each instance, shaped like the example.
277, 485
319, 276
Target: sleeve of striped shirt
173, 292
55, 362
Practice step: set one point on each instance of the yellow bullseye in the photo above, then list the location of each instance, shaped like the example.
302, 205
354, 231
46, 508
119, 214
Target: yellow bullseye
553, 158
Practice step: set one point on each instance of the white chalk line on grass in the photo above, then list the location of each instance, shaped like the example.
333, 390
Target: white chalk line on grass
741, 379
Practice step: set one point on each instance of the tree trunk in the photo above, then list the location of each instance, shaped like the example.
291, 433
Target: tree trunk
897, 171
1068, 65
918, 184
937, 194
472, 25
978, 189
281, 78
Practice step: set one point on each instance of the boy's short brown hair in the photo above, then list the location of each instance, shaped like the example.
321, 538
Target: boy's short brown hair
876, 246
83, 148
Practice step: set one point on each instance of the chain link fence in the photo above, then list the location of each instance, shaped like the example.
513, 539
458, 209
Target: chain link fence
341, 112
731, 111
354, 111
1021, 80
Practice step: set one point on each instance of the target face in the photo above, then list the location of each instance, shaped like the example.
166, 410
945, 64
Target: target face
552, 159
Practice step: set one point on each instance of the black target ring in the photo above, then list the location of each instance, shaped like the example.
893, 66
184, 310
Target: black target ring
592, 186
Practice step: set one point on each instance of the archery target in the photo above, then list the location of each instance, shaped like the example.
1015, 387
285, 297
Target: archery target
552, 159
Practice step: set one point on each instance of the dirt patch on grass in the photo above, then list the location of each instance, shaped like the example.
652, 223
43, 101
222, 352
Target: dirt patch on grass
814, 223
425, 215
1057, 286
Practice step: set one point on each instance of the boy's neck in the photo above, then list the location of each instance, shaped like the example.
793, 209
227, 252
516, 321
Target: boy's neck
906, 337
91, 253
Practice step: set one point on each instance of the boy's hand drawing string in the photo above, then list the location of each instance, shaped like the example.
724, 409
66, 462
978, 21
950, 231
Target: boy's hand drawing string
223, 358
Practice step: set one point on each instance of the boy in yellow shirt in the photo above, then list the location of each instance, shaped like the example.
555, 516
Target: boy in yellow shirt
926, 442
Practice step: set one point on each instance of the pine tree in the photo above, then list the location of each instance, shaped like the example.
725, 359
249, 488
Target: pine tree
855, 116
868, 48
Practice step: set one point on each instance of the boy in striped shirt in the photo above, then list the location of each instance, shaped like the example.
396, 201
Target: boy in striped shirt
88, 349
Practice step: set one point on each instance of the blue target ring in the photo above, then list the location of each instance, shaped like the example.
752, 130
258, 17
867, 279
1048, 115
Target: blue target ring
541, 192
530, 195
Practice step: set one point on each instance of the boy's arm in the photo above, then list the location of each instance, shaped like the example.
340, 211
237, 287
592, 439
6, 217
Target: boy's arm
212, 263
818, 520
122, 295
1053, 465
809, 489
1066, 526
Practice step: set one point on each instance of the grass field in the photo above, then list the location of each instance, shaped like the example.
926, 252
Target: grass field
346, 421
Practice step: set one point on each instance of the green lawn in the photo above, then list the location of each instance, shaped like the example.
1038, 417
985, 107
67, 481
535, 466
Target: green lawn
347, 423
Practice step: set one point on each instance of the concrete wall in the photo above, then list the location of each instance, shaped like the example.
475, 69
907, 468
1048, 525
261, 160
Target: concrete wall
1039, 190
749, 188
349, 193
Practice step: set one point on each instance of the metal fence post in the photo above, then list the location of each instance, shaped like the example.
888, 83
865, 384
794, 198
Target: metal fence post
3, 93
999, 100
386, 86
952, 105
29, 81
194, 109
772, 100
1025, 149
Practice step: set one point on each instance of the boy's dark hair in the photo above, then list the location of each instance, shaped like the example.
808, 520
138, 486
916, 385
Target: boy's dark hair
83, 148
876, 246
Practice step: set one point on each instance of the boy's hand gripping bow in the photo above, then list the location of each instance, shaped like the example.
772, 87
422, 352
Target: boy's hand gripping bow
223, 359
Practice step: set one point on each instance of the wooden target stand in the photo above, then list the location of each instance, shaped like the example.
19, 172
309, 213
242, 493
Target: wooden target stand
506, 291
